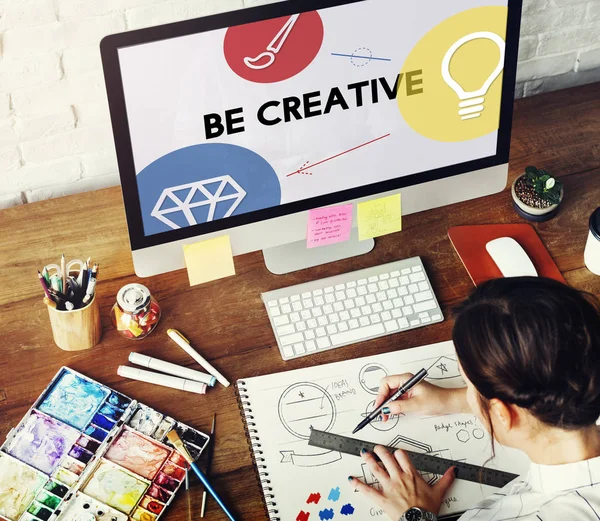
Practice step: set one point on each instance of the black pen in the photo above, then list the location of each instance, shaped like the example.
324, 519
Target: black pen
402, 390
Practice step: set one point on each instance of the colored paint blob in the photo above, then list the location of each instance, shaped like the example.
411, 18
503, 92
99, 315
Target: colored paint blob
73, 400
170, 469
145, 420
103, 422
80, 454
66, 477
325, 515
303, 516
18, 486
166, 482
56, 488
42, 442
138, 454
159, 493
178, 459
47, 499
347, 510
88, 443
118, 400
314, 498
115, 487
95, 432
334, 494
39, 511
110, 412
72, 465
163, 428
152, 505
143, 515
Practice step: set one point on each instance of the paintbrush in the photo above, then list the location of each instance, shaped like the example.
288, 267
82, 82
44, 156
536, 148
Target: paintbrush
211, 450
181, 448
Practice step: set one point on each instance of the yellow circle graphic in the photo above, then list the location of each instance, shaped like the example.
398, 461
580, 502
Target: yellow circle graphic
461, 61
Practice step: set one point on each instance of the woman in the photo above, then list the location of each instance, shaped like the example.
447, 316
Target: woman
529, 351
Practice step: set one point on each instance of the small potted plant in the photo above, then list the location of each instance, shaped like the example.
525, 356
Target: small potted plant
537, 195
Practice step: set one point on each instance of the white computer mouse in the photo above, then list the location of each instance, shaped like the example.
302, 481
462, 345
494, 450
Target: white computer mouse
510, 257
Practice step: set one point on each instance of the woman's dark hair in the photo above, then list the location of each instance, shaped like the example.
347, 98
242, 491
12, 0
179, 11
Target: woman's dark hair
535, 343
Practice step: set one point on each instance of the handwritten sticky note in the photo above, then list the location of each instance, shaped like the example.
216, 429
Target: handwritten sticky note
379, 217
329, 225
209, 260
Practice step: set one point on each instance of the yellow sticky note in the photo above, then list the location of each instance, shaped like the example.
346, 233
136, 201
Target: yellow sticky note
379, 217
209, 260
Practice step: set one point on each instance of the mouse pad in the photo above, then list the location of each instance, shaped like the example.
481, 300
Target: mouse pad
469, 242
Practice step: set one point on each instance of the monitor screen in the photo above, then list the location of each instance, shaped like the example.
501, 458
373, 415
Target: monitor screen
226, 123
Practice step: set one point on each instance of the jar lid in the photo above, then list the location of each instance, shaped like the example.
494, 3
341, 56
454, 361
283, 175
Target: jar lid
133, 298
595, 223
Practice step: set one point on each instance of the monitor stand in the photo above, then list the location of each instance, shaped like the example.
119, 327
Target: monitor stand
296, 256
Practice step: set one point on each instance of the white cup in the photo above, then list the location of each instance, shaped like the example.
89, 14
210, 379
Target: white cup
592, 248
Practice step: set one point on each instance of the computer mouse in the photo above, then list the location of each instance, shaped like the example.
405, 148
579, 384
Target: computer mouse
510, 257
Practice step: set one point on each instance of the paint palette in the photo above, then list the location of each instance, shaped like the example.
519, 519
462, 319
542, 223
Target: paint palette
85, 452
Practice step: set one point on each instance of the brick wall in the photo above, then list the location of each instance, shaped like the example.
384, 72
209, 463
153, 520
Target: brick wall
55, 135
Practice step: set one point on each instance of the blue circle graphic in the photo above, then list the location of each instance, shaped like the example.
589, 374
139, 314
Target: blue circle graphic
203, 183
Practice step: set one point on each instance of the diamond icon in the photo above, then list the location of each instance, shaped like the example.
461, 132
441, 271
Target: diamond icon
216, 194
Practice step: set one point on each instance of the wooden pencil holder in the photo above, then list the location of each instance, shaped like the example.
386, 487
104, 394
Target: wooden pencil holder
78, 329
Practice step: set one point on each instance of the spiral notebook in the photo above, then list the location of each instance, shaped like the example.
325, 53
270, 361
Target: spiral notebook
303, 483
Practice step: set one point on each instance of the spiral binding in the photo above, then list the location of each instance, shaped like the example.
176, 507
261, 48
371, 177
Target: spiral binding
257, 454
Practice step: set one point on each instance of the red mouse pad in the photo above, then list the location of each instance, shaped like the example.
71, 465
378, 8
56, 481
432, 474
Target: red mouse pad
469, 242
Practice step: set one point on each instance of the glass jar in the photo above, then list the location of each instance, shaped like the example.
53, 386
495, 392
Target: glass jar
136, 312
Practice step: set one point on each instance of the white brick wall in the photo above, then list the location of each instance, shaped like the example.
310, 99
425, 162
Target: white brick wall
55, 134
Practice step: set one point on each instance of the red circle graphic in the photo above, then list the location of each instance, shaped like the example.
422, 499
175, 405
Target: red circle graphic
288, 45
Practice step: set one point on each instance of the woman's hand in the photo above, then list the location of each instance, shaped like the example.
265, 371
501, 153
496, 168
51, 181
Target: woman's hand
402, 487
424, 397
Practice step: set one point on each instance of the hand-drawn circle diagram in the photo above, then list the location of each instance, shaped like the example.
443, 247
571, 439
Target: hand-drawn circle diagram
478, 433
380, 425
305, 406
370, 376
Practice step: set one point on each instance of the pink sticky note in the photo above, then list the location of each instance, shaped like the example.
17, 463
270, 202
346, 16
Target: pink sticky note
329, 225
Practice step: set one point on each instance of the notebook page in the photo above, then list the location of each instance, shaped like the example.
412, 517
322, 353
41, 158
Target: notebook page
310, 483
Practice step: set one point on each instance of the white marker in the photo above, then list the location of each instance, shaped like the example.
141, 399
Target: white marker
169, 368
184, 343
161, 379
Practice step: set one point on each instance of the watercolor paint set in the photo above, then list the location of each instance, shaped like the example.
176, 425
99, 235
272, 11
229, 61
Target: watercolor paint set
85, 452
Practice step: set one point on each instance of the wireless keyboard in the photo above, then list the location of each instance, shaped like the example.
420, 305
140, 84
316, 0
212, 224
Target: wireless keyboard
352, 307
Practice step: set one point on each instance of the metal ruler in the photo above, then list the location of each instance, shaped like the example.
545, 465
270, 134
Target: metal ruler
422, 462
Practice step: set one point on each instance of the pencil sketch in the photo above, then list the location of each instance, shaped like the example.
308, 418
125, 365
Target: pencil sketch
444, 368
378, 424
370, 377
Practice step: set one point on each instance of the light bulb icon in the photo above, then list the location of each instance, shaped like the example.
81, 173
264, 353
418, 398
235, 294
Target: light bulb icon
472, 103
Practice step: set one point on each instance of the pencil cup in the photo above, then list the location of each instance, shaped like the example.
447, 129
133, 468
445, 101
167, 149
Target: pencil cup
78, 329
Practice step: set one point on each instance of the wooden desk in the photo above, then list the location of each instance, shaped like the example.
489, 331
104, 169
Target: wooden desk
226, 321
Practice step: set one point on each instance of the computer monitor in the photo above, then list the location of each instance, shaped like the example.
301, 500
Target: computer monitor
240, 123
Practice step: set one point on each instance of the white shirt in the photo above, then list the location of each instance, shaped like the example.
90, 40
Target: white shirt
569, 492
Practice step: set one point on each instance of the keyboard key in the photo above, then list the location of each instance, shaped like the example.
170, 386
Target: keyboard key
360, 301
284, 300
286, 330
288, 351
391, 293
391, 326
349, 304
322, 321
328, 289
366, 310
384, 276
331, 329
373, 278
351, 284
309, 335
423, 286
317, 312
319, 301
301, 326
305, 314
272, 303
372, 288
362, 290
299, 349
403, 323
328, 309
286, 308
398, 302
339, 287
395, 273
396, 313
355, 313
364, 321
281, 321
405, 271
334, 317
409, 300
353, 323
307, 303
402, 291
394, 283
344, 315
296, 306
413, 288
387, 305
423, 315
320, 331
330, 298
355, 335
275, 312
404, 280
386, 315
295, 298
343, 326
424, 306
361, 282
323, 342
425, 320
371, 299
417, 277
317, 292
407, 310
437, 316
415, 322
377, 307
375, 319
338, 306
351, 293
295, 317
417, 268
426, 295
383, 285
381, 296
291, 339
306, 294
311, 346
340, 295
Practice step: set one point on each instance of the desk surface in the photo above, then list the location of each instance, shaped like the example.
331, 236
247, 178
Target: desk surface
226, 320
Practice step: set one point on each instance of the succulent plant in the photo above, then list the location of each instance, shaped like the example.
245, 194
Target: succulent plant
545, 185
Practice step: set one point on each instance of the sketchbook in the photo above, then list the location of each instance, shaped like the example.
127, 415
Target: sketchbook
303, 483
